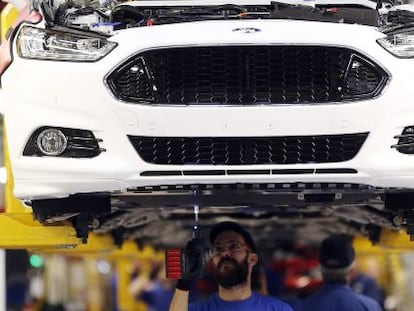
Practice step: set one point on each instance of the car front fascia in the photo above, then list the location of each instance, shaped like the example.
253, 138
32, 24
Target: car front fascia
77, 97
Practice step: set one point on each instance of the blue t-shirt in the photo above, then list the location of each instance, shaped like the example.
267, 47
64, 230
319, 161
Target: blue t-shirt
338, 297
254, 302
366, 285
158, 297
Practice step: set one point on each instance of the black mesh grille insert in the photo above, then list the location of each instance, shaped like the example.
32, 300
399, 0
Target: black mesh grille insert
246, 75
248, 150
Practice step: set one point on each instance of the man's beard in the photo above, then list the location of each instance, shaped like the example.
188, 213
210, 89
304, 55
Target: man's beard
232, 276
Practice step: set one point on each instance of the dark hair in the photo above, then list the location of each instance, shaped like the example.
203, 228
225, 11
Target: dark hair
231, 226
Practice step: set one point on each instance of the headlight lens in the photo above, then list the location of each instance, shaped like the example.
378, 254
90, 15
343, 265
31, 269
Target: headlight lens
399, 44
48, 44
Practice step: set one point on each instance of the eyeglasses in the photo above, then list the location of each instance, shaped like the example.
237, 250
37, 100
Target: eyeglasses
231, 247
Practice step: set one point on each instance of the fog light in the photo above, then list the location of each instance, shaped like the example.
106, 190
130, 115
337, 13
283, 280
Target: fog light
405, 141
62, 142
51, 142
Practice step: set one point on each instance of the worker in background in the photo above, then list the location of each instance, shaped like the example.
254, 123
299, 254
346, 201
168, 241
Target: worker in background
365, 283
153, 289
233, 255
337, 257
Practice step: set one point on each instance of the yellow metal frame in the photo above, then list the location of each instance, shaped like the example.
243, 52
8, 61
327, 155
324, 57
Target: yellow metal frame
389, 241
7, 17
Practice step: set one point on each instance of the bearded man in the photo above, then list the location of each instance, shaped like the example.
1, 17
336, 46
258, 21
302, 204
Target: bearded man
233, 255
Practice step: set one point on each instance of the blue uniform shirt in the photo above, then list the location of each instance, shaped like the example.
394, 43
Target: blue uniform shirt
367, 286
254, 302
338, 297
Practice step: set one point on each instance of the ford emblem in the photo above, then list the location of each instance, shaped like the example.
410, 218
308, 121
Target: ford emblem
246, 30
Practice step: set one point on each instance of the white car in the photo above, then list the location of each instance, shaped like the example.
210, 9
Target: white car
215, 103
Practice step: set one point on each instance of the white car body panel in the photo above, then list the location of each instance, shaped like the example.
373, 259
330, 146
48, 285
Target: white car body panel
74, 95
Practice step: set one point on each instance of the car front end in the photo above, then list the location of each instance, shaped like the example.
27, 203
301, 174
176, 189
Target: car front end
209, 100
124, 97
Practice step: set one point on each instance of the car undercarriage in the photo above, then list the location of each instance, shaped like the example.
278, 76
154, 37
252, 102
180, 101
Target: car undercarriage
163, 216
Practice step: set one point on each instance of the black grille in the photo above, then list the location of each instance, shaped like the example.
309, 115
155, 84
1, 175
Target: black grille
247, 75
248, 150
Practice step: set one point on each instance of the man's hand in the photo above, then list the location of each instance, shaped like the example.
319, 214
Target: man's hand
193, 263
193, 267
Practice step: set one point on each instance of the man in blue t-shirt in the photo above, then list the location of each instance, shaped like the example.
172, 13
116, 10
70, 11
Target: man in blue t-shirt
366, 285
336, 259
233, 256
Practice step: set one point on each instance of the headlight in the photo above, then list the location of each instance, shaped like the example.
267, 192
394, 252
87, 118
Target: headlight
399, 44
49, 44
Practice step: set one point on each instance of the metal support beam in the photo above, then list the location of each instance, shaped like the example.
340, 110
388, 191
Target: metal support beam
390, 241
19, 231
